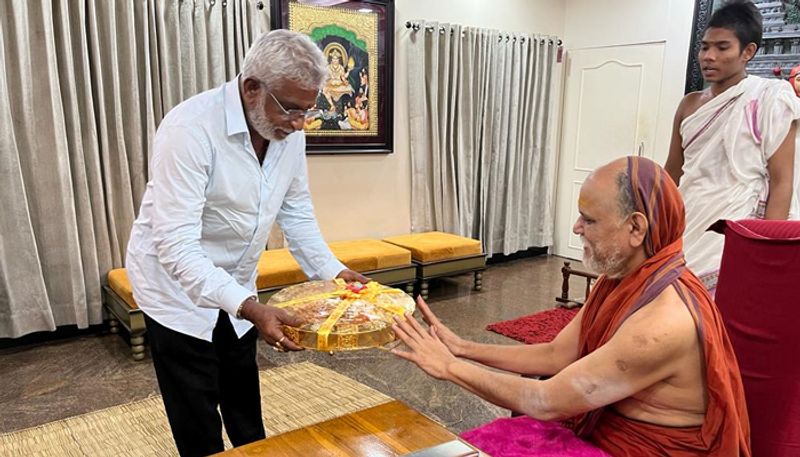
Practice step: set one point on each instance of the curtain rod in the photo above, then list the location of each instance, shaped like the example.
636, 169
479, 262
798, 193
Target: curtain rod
259, 4
415, 26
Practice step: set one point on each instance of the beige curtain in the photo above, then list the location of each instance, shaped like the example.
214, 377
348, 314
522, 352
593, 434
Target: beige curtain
83, 87
480, 105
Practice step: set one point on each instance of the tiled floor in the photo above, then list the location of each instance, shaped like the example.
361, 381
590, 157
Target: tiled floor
55, 380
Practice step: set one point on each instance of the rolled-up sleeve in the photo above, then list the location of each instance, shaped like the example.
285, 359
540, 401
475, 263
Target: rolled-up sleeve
181, 167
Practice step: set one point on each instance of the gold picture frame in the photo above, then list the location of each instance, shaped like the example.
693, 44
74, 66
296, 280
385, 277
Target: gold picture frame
355, 102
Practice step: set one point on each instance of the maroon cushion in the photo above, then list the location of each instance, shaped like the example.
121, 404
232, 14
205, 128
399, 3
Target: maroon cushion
763, 229
758, 297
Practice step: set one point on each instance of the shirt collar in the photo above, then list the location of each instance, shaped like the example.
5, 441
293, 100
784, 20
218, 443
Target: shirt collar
234, 111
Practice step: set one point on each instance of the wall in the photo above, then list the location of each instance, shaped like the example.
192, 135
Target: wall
370, 196
591, 23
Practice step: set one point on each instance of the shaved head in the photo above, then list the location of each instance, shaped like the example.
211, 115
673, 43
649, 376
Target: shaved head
609, 186
608, 225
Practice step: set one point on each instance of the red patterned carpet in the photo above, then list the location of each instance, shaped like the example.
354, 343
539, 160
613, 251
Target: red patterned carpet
541, 327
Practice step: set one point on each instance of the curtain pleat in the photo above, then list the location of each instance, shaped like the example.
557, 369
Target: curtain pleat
479, 106
84, 87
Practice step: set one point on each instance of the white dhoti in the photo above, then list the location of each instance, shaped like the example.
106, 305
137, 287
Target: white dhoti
726, 145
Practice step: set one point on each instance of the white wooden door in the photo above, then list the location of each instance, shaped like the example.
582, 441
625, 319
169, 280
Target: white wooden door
611, 103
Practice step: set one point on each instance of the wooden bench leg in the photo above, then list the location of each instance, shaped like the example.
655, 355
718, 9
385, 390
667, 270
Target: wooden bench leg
423, 289
113, 325
410, 289
478, 280
137, 347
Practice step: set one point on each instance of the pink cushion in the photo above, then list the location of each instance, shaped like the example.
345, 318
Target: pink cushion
524, 436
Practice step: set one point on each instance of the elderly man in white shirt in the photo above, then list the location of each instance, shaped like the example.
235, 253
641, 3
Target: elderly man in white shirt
226, 165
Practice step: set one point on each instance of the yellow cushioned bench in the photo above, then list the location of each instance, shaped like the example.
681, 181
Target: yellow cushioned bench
123, 309
382, 262
440, 254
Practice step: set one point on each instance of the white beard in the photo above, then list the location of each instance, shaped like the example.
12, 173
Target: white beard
612, 265
260, 122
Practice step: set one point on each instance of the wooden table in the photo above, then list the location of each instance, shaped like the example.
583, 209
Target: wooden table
390, 429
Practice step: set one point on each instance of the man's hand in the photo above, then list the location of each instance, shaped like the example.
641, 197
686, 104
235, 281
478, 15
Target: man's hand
454, 343
352, 276
268, 320
425, 348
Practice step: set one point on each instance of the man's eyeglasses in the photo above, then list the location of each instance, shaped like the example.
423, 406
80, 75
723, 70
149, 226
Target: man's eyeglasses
296, 113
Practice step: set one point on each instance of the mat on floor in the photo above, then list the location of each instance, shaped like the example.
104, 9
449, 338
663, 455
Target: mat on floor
541, 327
292, 396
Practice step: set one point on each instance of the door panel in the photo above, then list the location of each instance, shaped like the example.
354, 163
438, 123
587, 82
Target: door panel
611, 102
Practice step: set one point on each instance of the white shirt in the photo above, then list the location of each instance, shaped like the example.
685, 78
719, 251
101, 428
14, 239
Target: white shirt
207, 211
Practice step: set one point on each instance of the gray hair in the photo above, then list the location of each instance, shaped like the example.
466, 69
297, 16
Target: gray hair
624, 197
285, 55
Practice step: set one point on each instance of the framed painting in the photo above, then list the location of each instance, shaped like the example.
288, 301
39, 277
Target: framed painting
778, 52
357, 39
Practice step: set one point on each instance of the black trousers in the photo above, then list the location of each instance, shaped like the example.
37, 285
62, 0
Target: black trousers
195, 377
